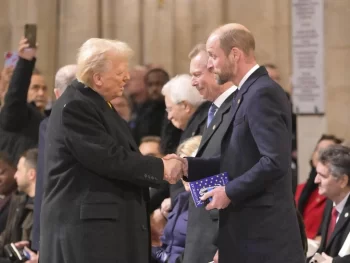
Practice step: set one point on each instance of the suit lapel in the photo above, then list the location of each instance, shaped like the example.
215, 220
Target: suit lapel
97, 99
240, 94
343, 219
327, 218
126, 130
216, 122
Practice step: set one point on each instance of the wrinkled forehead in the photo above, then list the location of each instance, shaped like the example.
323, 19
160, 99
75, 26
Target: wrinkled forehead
199, 62
322, 169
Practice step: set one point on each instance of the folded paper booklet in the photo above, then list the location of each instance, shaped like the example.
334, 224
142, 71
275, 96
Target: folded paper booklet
200, 187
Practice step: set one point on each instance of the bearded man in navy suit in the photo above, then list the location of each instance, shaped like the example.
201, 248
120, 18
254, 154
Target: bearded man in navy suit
257, 219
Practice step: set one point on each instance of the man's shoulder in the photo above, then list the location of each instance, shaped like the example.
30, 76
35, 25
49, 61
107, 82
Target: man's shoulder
265, 86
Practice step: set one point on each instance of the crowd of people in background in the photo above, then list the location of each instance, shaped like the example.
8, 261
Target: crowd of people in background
165, 115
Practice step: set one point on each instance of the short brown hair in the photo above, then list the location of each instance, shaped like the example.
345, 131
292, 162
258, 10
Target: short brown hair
196, 50
239, 38
31, 158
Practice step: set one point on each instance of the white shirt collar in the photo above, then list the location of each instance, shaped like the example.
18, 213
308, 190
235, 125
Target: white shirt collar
247, 75
223, 96
339, 207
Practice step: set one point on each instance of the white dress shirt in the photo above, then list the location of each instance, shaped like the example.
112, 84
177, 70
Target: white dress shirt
223, 96
247, 75
340, 207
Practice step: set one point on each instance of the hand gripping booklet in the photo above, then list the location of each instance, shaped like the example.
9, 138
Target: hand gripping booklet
200, 187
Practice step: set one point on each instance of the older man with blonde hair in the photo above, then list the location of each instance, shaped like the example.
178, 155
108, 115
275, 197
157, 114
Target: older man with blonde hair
96, 180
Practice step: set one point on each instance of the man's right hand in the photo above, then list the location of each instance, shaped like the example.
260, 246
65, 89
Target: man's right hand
183, 160
24, 51
173, 170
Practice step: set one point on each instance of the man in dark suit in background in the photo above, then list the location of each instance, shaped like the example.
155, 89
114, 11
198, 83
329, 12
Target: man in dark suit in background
63, 78
203, 225
257, 220
96, 181
333, 179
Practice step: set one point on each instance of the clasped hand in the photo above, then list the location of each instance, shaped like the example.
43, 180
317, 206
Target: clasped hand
175, 168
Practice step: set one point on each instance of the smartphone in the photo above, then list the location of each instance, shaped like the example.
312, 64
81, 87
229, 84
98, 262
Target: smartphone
16, 254
11, 59
30, 34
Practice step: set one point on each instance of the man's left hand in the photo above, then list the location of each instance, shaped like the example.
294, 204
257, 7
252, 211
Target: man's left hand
219, 197
328, 258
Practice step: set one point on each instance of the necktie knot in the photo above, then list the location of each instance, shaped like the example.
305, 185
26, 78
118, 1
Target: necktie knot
211, 113
334, 212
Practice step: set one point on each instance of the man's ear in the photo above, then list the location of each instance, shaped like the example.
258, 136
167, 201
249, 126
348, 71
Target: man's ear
188, 107
57, 93
344, 181
235, 54
32, 174
97, 80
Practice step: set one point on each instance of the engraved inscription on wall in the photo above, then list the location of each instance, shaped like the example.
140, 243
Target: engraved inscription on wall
308, 56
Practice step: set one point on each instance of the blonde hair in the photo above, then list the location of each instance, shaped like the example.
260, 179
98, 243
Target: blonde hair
180, 89
189, 147
93, 57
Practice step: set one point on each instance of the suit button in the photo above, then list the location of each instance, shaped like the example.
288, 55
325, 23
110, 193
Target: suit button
144, 228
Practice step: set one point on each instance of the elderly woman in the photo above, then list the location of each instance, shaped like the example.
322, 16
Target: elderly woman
172, 243
94, 204
185, 106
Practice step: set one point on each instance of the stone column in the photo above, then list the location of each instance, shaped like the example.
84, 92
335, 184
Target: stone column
337, 78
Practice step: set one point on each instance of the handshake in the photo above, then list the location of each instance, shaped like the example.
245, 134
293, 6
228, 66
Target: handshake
175, 168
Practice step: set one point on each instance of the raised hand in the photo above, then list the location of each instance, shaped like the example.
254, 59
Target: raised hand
24, 51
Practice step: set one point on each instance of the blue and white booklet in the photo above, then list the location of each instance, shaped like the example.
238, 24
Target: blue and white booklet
200, 187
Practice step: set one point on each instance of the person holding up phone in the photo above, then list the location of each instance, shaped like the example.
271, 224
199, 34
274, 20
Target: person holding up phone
24, 105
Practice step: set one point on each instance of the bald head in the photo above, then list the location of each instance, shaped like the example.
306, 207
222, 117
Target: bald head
231, 53
235, 35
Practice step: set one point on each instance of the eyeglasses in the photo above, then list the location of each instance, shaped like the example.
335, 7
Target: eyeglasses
170, 109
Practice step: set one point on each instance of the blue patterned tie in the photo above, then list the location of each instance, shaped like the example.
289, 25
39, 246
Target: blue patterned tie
211, 113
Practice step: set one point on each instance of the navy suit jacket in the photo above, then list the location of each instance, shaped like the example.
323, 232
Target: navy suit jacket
39, 185
260, 224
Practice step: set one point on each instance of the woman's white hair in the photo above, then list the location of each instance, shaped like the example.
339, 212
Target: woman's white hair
93, 57
180, 89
